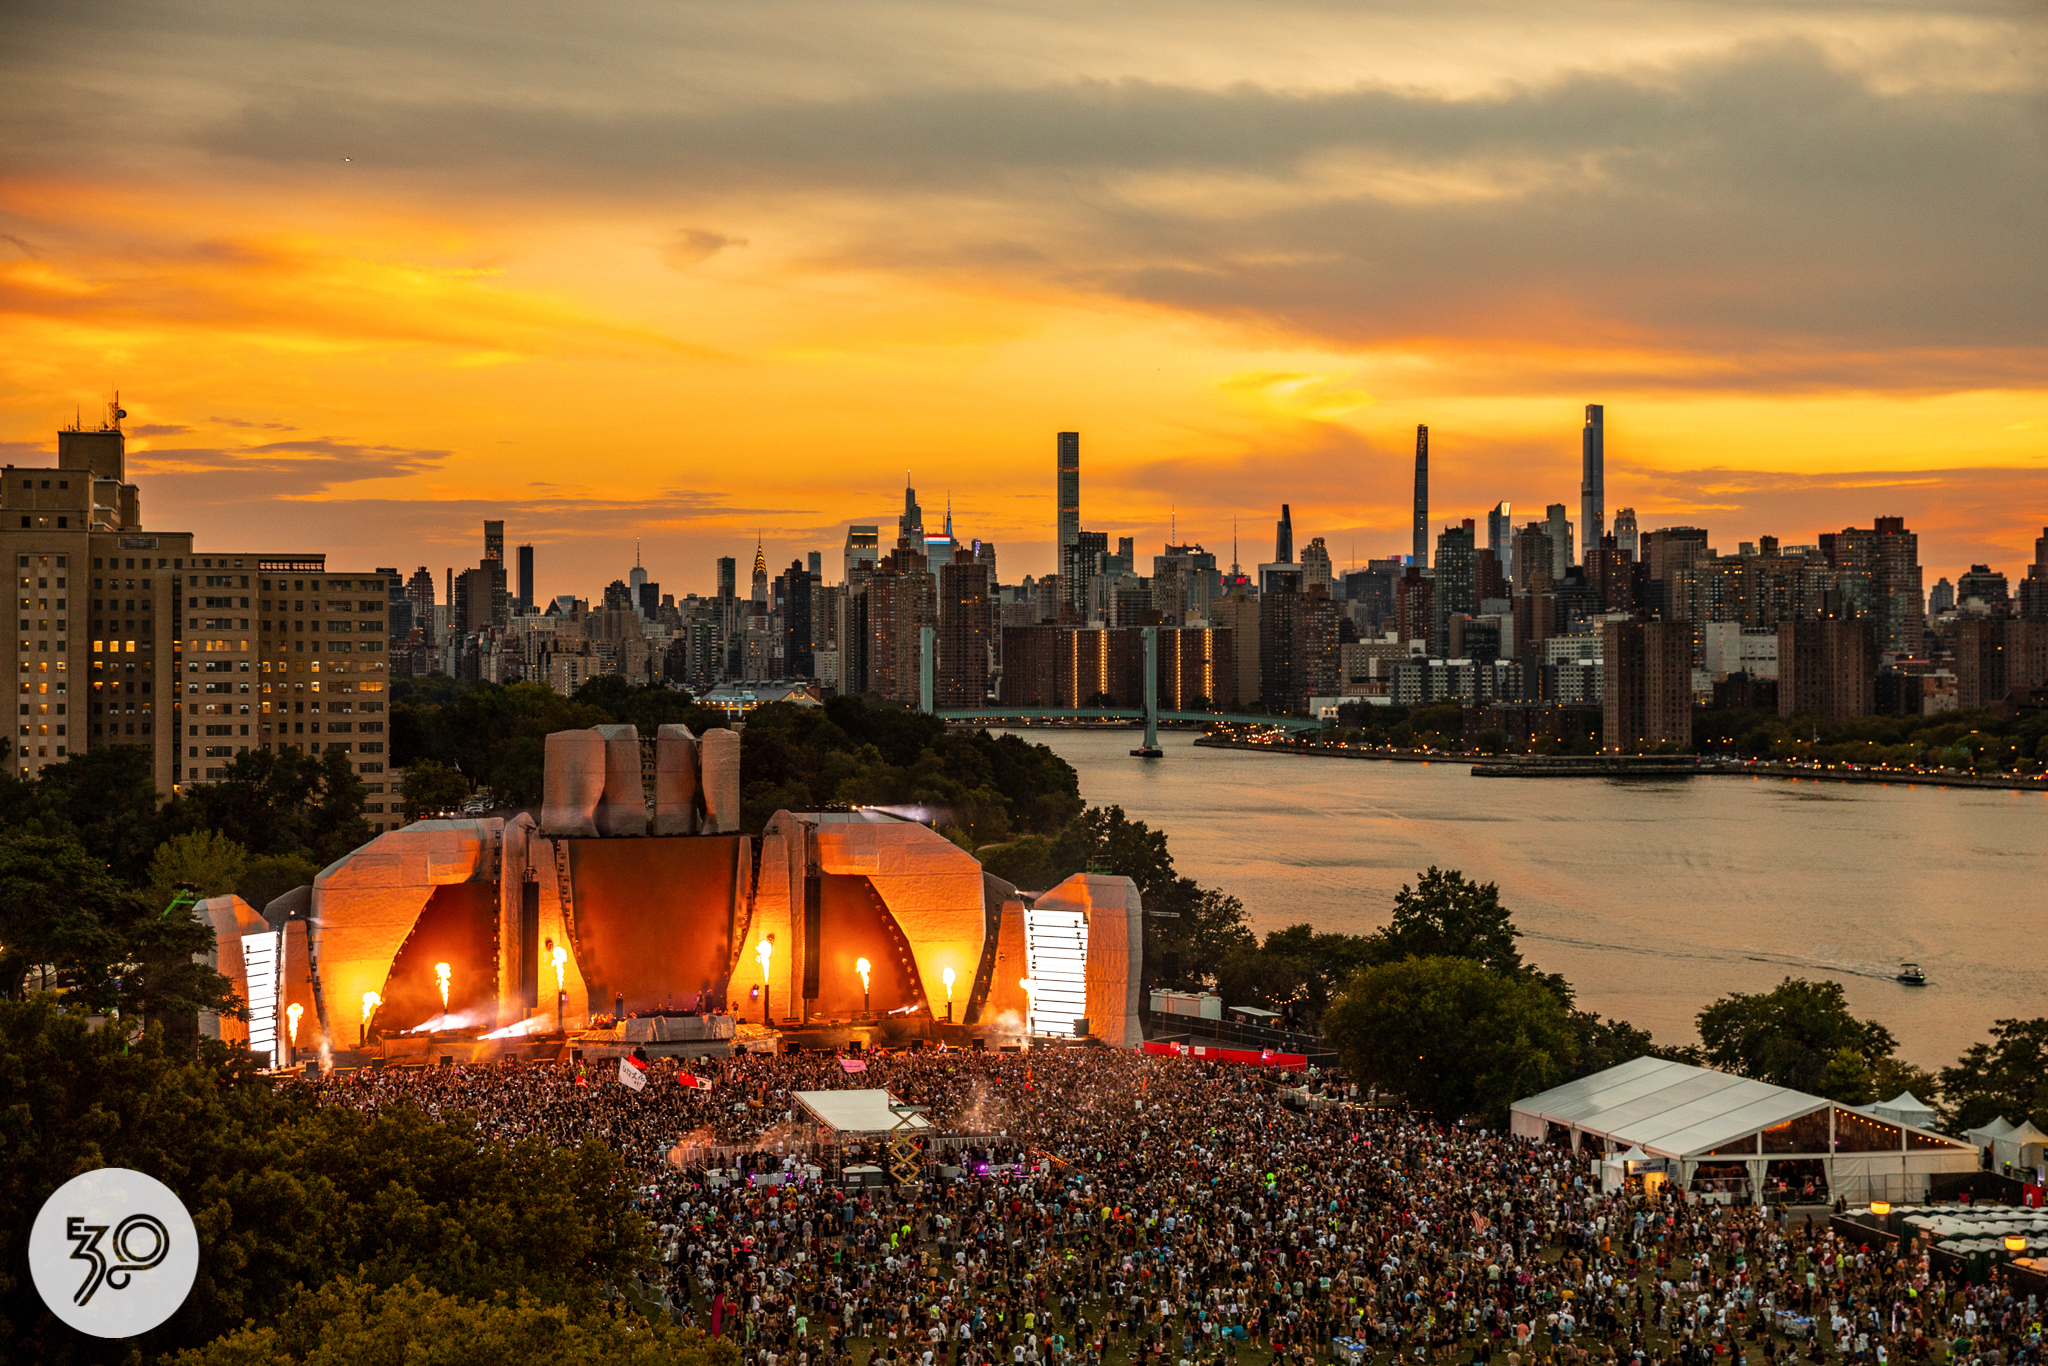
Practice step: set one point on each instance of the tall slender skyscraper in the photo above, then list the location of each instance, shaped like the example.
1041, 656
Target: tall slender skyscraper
1500, 537
1067, 494
494, 541
1283, 537
1593, 482
1421, 497
525, 578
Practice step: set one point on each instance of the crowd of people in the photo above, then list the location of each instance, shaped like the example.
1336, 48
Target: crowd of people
1113, 1209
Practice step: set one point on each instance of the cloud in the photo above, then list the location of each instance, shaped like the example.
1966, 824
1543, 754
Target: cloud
276, 469
160, 428
694, 246
1757, 216
255, 426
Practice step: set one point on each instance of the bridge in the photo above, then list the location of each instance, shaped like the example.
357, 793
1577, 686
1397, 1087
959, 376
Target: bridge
1150, 712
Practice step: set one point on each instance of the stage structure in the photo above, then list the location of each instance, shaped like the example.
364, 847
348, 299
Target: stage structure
634, 890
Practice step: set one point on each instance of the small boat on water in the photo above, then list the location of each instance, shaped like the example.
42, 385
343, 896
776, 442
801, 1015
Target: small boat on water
1911, 975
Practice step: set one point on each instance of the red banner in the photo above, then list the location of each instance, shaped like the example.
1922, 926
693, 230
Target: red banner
1212, 1053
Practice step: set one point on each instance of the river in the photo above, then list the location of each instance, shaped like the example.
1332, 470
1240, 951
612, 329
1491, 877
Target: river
1653, 897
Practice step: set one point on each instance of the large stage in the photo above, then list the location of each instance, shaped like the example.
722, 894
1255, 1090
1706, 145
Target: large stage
632, 893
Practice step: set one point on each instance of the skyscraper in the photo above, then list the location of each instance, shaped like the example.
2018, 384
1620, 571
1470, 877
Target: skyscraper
494, 541
728, 577
1878, 573
419, 590
966, 618
760, 594
1626, 539
1500, 538
1560, 529
1646, 685
1067, 494
798, 658
863, 548
1315, 565
525, 578
2034, 587
1421, 497
1283, 537
1593, 485
1453, 595
910, 526
636, 585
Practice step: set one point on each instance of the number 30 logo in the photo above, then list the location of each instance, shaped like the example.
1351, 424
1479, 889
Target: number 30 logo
114, 1253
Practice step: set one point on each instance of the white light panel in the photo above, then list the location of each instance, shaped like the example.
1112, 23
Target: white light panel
1056, 955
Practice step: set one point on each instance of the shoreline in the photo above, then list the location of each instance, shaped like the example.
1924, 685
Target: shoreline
1643, 766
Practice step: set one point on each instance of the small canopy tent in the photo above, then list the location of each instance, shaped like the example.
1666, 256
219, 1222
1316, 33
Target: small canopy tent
2023, 1145
1906, 1108
1984, 1135
1695, 1117
858, 1113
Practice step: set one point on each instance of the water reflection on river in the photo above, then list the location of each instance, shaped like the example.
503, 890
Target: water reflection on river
1652, 896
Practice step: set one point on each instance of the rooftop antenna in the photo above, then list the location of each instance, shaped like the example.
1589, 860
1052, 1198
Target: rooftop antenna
1173, 524
1235, 572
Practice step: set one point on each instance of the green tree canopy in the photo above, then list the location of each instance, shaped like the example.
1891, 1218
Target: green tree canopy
347, 1322
1449, 916
1452, 1036
285, 1195
430, 788
281, 802
205, 859
1791, 1036
2004, 1077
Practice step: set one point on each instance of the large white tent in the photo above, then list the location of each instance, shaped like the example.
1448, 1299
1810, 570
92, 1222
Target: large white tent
1692, 1118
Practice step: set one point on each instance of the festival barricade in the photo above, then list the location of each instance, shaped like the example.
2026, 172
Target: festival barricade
1211, 1053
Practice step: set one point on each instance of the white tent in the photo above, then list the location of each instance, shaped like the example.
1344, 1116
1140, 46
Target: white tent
1694, 1117
1905, 1108
1986, 1135
2020, 1146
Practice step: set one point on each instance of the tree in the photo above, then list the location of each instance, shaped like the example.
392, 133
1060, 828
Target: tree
105, 798
203, 858
269, 877
1452, 1036
346, 1321
2005, 1077
281, 802
431, 788
285, 1195
59, 910
1790, 1037
1447, 915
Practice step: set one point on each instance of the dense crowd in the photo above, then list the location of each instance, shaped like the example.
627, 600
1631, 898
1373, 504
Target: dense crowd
1141, 1210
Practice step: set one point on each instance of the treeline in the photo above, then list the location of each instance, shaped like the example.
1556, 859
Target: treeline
852, 751
89, 858
324, 1234
1440, 1007
1973, 741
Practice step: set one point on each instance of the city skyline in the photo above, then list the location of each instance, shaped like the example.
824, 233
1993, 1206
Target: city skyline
375, 281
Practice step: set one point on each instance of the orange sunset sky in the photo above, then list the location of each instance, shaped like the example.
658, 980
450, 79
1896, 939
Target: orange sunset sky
366, 274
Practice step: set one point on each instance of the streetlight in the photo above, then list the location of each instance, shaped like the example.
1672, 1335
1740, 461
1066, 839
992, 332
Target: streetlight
765, 951
862, 967
947, 978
